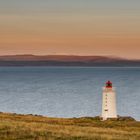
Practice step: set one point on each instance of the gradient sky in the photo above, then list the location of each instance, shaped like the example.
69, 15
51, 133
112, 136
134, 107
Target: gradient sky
78, 27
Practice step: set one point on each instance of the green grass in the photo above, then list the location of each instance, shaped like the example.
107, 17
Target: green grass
29, 127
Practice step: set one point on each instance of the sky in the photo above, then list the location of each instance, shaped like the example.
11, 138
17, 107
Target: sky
70, 27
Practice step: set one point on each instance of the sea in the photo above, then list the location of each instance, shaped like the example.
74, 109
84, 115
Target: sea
68, 92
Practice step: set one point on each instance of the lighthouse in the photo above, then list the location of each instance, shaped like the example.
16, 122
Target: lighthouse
109, 102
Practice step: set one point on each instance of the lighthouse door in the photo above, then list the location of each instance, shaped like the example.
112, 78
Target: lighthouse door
106, 113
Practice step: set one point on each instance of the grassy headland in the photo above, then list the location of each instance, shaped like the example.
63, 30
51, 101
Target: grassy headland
29, 127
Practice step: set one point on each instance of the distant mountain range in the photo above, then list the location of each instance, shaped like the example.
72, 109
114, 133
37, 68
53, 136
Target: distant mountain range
67, 60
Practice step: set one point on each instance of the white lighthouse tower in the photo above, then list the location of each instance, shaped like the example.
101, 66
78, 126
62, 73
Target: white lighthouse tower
109, 102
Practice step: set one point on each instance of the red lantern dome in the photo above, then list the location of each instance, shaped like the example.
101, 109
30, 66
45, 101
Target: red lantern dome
108, 84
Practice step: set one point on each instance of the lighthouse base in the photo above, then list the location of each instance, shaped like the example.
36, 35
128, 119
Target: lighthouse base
109, 118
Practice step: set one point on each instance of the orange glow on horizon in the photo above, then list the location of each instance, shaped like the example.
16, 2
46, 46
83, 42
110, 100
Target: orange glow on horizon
50, 27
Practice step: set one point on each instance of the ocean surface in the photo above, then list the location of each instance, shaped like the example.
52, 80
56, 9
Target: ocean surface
67, 91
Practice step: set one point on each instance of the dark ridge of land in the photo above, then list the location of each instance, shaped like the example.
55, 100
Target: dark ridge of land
65, 60
35, 127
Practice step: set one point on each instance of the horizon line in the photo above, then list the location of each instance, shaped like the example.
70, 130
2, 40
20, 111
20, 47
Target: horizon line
77, 55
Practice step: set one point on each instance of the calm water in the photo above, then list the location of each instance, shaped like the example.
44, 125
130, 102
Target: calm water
67, 92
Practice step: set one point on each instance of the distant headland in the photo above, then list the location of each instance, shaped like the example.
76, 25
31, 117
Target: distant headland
67, 60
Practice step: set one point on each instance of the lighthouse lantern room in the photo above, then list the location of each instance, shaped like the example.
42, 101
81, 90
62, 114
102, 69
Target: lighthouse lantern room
109, 102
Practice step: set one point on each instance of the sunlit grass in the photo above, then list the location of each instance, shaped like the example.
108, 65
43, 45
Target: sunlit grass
28, 127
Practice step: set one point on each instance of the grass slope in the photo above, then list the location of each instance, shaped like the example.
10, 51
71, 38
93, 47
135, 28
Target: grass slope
29, 127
